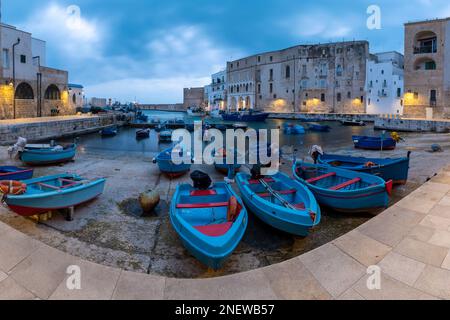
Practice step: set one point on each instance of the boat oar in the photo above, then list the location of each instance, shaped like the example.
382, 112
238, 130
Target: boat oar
277, 195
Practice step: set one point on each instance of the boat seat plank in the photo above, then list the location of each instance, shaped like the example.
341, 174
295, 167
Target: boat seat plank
345, 184
202, 193
215, 230
202, 205
48, 186
283, 192
316, 179
268, 180
300, 206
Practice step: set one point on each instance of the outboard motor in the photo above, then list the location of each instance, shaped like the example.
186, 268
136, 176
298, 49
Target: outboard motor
201, 180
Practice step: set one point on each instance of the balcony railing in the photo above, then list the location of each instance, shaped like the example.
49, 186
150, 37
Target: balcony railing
425, 49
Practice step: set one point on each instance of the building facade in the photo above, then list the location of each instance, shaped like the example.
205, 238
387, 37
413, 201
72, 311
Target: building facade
427, 69
384, 85
77, 98
306, 78
27, 87
194, 97
217, 93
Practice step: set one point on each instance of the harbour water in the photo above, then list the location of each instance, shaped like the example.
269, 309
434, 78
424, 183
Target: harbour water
111, 231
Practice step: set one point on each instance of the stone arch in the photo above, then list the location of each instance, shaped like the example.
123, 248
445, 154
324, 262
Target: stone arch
248, 103
24, 91
74, 98
233, 103
52, 93
425, 63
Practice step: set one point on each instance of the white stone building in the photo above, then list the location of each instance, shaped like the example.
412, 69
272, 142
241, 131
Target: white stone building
217, 91
77, 98
385, 83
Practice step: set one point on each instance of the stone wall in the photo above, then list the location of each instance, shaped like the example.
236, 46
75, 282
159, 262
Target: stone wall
163, 107
52, 128
412, 125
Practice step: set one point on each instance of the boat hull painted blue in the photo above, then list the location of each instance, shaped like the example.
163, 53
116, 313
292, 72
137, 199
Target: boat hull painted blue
396, 170
319, 128
244, 117
296, 222
372, 196
35, 201
15, 173
47, 156
374, 143
166, 165
211, 251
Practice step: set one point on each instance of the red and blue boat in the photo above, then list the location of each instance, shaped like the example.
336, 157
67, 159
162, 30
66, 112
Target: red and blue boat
52, 193
15, 173
344, 190
210, 223
168, 167
396, 169
374, 143
280, 202
37, 155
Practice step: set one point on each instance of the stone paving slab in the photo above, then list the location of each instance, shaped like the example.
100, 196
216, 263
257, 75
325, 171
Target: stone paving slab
410, 242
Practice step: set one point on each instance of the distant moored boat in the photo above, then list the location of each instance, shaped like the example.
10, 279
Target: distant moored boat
46, 154
374, 143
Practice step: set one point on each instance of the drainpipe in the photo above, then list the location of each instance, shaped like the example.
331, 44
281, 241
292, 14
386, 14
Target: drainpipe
39, 88
14, 73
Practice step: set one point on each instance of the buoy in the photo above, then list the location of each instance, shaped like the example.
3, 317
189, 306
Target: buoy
149, 201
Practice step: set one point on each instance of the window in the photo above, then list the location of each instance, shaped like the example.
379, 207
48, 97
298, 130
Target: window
362, 99
237, 64
288, 72
74, 98
349, 95
23, 58
246, 87
259, 58
368, 102
339, 97
24, 91
382, 71
433, 97
430, 65
259, 87
322, 97
304, 69
5, 55
271, 58
271, 88
52, 93
416, 95
271, 75
274, 96
399, 92
339, 71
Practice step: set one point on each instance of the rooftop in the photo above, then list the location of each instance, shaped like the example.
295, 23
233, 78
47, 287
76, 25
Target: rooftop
428, 21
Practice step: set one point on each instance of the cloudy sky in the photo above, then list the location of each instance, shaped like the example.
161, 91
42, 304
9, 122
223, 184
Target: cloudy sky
151, 49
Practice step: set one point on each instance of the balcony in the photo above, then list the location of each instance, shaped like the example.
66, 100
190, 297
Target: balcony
425, 49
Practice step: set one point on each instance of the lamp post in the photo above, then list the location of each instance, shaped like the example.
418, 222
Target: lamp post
14, 74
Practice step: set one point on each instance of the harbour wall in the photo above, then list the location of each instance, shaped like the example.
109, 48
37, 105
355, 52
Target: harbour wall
163, 107
35, 130
325, 116
412, 125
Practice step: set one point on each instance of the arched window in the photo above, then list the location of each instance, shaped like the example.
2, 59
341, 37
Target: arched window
52, 93
288, 72
24, 91
74, 98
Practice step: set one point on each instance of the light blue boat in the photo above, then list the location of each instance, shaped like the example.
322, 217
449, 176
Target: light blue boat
281, 202
54, 193
48, 155
291, 129
165, 136
210, 223
344, 190
168, 167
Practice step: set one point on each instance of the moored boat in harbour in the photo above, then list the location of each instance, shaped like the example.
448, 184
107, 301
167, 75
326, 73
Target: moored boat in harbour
169, 168
46, 154
374, 143
15, 173
246, 116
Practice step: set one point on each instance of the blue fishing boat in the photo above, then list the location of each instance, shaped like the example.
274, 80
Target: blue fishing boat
318, 127
344, 190
54, 193
395, 169
281, 202
143, 134
46, 154
210, 223
293, 129
15, 173
165, 136
169, 168
246, 116
109, 132
222, 165
374, 143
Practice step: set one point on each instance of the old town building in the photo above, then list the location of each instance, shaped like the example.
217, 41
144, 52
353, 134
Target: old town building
427, 69
305, 78
217, 91
28, 88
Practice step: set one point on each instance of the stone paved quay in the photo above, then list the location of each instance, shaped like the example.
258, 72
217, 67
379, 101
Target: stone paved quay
410, 242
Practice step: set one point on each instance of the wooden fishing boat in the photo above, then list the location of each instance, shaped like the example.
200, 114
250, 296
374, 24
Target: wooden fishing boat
165, 136
222, 165
281, 202
143, 134
374, 143
54, 193
293, 129
246, 116
46, 154
15, 173
344, 190
353, 123
210, 223
169, 168
395, 169
318, 127
109, 132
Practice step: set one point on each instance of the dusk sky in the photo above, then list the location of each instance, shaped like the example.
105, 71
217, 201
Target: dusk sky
152, 49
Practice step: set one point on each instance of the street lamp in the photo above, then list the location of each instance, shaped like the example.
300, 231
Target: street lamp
14, 73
